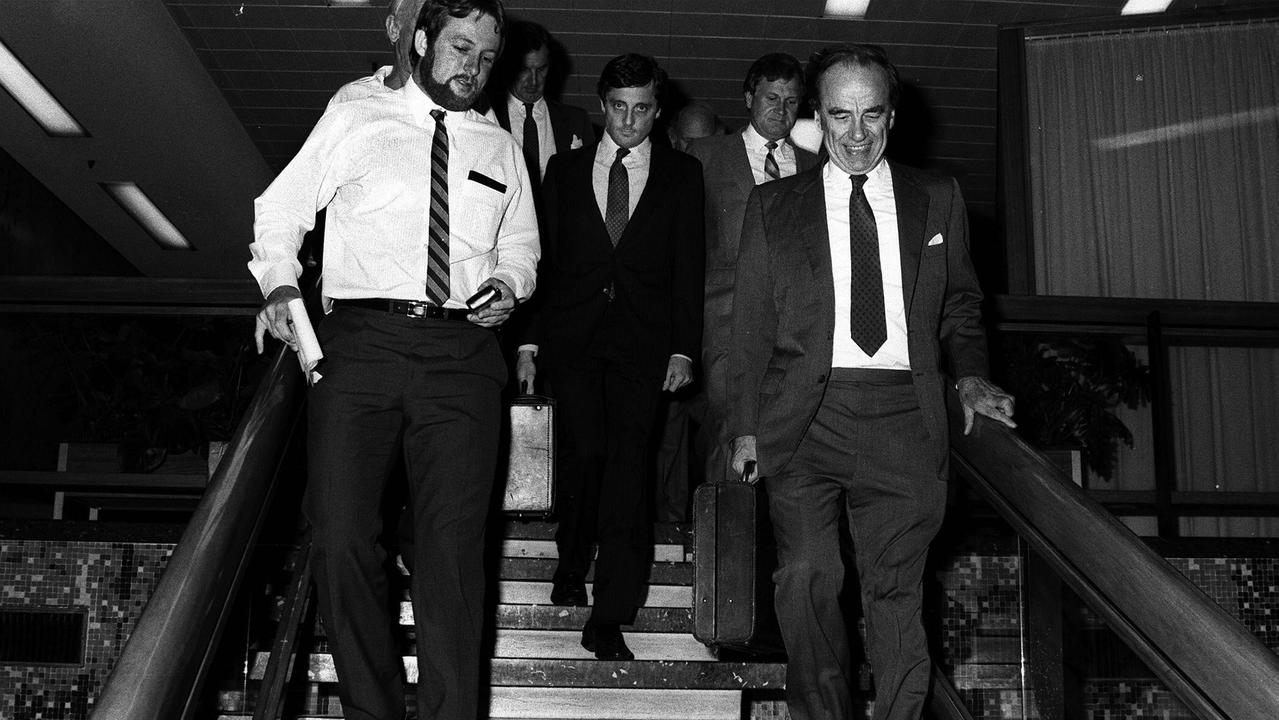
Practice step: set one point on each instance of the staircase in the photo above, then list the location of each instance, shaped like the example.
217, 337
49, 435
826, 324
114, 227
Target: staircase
540, 670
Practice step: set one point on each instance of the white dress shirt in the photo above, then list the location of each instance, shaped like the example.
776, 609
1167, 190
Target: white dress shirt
542, 116
636, 164
893, 354
369, 161
757, 152
374, 84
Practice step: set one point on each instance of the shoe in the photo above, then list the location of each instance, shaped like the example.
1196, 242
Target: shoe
606, 642
570, 591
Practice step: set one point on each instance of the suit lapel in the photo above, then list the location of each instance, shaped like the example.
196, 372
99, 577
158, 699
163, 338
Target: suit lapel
559, 128
912, 214
740, 167
810, 219
500, 112
582, 185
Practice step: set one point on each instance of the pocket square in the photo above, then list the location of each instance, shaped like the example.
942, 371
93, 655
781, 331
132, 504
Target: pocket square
937, 240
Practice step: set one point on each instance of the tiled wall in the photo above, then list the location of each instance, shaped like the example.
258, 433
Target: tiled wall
111, 582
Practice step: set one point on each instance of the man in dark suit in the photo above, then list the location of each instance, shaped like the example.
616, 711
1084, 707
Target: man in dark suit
733, 165
542, 127
619, 322
852, 281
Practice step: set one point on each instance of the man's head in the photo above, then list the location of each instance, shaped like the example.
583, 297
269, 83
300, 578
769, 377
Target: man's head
630, 90
695, 120
773, 88
855, 91
455, 43
528, 48
401, 18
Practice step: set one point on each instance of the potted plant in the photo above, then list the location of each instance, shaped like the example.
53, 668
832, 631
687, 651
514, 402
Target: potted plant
1067, 389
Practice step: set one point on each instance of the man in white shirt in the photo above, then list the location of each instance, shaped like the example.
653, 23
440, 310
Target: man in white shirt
852, 280
541, 127
618, 323
428, 203
734, 165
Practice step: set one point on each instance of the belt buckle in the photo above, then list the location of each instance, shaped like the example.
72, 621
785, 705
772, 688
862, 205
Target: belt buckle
416, 309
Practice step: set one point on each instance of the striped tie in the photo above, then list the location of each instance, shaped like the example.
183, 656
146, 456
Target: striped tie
437, 264
770, 163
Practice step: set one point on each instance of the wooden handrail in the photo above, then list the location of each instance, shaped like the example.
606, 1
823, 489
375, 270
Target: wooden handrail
1211, 662
162, 667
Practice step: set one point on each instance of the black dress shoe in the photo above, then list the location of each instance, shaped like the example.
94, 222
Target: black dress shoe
606, 642
570, 591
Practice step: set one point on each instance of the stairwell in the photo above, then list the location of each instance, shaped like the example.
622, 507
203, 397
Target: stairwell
538, 668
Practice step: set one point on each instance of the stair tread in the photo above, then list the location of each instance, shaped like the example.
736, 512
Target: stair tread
517, 547
552, 617
577, 672
543, 568
674, 533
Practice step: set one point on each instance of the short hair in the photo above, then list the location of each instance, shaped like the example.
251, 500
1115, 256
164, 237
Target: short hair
852, 54
524, 37
773, 66
631, 70
435, 14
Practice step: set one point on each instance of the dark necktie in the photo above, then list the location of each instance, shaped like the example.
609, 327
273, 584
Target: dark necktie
437, 263
770, 163
618, 209
532, 153
866, 312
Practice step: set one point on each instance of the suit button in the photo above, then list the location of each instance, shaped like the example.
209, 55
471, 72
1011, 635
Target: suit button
821, 379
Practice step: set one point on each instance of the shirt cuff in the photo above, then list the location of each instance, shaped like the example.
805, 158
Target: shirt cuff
681, 355
532, 348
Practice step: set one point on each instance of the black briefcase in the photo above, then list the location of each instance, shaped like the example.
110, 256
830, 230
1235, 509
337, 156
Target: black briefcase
734, 556
530, 469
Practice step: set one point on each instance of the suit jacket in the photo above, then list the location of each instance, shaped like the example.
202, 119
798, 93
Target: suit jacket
567, 122
656, 270
729, 182
784, 317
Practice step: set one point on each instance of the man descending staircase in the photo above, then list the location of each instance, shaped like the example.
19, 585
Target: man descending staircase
538, 668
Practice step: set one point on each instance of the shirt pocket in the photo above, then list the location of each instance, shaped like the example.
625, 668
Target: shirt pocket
475, 215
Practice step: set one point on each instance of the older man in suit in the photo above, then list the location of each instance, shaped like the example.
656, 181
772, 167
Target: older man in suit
853, 281
733, 165
541, 127
619, 322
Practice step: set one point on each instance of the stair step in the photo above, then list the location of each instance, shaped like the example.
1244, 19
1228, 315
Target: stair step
614, 704
665, 533
528, 592
552, 617
567, 644
518, 547
540, 568
562, 672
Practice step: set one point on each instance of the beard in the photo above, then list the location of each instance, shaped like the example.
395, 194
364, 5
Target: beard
442, 92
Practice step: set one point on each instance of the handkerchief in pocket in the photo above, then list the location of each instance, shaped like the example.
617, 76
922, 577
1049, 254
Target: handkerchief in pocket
937, 240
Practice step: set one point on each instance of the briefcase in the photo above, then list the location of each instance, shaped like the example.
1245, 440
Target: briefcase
530, 469
734, 556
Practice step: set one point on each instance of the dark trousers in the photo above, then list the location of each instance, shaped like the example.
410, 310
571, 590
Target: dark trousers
606, 403
428, 389
866, 459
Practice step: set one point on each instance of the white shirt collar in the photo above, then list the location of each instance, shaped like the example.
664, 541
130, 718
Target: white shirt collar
640, 153
877, 177
514, 104
755, 141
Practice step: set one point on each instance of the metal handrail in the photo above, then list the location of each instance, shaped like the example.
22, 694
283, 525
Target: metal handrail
1211, 662
163, 665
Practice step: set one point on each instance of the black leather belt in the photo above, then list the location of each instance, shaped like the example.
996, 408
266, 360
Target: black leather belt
876, 376
408, 308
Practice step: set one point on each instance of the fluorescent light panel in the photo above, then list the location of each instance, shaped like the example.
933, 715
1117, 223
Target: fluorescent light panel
1142, 7
136, 203
846, 8
34, 98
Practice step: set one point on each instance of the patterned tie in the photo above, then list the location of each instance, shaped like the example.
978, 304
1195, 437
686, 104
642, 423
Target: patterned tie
532, 154
770, 163
866, 314
618, 209
437, 263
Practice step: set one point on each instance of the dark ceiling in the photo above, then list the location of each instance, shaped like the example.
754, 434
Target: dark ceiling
269, 66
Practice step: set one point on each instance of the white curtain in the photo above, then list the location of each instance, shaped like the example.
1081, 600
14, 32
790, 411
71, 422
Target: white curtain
1155, 174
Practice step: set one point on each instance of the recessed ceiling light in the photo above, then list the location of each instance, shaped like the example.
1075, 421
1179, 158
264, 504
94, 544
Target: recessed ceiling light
1142, 7
137, 204
846, 8
34, 98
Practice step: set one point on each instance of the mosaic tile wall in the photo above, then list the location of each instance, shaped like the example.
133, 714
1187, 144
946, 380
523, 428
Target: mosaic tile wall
110, 581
